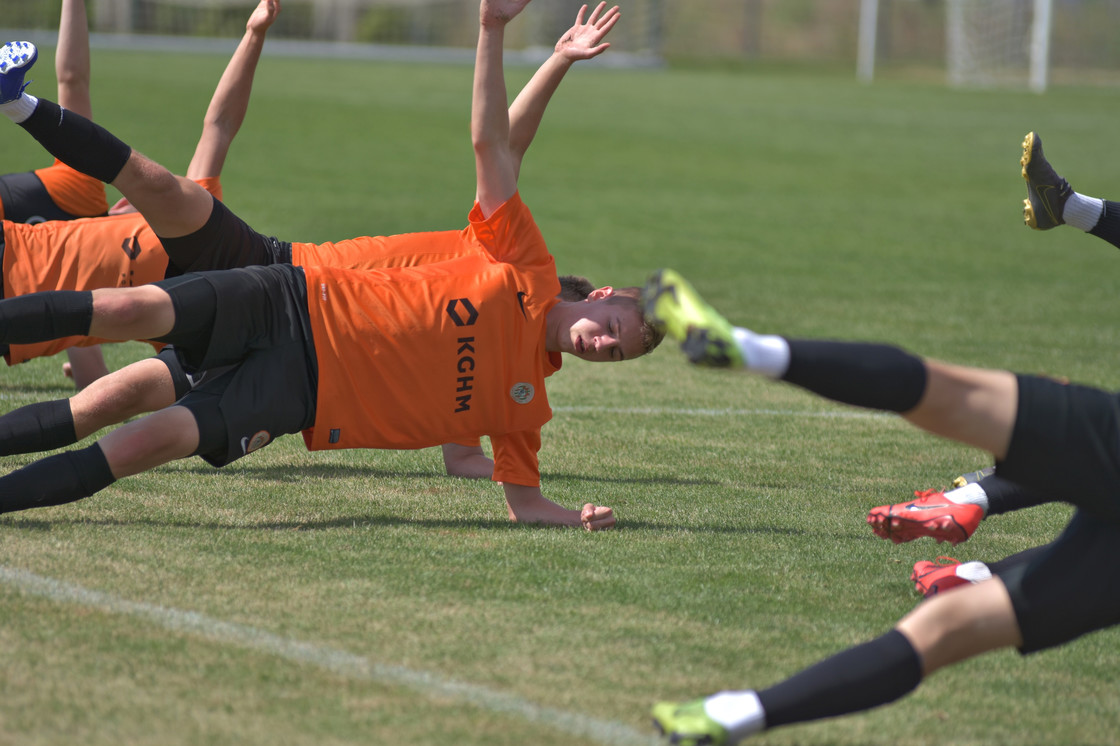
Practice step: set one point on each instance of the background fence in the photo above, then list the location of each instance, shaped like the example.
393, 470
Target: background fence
911, 35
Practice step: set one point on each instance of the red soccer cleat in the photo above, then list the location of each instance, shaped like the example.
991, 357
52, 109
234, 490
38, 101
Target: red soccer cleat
930, 515
931, 578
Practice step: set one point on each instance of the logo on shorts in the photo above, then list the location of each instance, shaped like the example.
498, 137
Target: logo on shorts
258, 441
522, 393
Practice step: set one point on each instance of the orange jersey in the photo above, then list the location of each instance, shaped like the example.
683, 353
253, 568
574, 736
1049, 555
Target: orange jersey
84, 254
416, 356
381, 252
71, 191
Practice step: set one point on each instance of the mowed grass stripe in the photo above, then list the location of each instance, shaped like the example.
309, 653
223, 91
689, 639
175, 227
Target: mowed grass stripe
338, 662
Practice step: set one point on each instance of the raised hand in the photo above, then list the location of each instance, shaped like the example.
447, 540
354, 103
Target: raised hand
585, 40
499, 12
263, 16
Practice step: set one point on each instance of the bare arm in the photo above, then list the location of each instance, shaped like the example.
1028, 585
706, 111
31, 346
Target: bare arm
495, 174
582, 41
529, 505
231, 98
71, 62
469, 462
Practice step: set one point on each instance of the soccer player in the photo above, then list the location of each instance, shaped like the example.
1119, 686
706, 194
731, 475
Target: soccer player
58, 192
120, 249
404, 357
153, 384
955, 514
1048, 437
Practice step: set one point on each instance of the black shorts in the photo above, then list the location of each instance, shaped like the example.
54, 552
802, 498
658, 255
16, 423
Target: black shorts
180, 378
26, 200
224, 242
255, 320
251, 404
1070, 588
1066, 445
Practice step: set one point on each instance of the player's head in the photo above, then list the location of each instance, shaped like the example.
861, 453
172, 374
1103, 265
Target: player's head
606, 326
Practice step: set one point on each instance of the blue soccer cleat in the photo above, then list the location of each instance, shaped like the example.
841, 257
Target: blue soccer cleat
16, 58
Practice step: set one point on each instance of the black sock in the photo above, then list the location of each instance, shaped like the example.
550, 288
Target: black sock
869, 375
42, 426
859, 678
56, 480
41, 317
1108, 227
77, 142
1005, 496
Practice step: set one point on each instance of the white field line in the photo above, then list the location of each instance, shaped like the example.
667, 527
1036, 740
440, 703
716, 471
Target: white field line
338, 662
701, 412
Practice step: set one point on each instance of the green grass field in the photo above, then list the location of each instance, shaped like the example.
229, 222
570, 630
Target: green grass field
363, 597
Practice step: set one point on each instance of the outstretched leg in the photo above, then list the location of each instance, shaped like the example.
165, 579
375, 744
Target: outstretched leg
955, 514
970, 405
139, 388
144, 312
1052, 202
172, 205
941, 631
159, 438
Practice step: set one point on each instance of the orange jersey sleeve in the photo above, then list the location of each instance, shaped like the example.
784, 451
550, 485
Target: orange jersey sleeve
411, 357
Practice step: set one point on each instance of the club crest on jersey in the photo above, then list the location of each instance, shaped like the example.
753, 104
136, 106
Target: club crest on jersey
522, 393
259, 440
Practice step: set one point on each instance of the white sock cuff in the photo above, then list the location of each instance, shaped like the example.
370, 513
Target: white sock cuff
765, 353
974, 572
740, 713
1082, 212
19, 109
970, 494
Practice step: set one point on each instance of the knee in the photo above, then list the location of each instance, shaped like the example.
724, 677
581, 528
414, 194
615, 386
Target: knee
159, 438
132, 307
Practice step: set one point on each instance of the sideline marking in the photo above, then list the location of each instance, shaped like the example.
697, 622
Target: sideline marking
336, 661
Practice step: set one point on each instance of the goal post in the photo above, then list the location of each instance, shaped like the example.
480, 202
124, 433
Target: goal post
998, 42
987, 42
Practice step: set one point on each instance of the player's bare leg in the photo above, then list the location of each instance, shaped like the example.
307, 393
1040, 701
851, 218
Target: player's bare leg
156, 439
138, 388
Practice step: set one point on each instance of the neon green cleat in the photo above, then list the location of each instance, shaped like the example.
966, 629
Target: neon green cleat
706, 337
687, 724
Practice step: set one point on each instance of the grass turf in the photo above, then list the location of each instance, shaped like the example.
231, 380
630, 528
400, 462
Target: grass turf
798, 203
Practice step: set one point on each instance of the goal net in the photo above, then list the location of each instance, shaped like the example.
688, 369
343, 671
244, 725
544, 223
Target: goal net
998, 42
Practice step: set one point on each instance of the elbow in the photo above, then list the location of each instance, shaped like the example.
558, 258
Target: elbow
484, 145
